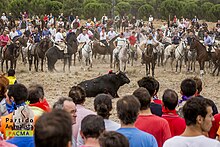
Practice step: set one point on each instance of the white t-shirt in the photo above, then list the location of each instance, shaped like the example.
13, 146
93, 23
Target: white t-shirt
198, 141
58, 37
13, 34
103, 36
120, 41
151, 19
52, 31
83, 38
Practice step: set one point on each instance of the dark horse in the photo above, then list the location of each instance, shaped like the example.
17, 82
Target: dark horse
149, 59
53, 54
37, 53
203, 55
102, 50
11, 54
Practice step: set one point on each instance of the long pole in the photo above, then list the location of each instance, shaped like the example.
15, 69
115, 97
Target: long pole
113, 12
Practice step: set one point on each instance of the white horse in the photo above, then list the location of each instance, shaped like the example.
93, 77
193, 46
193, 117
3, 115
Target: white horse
87, 55
180, 53
160, 53
120, 57
169, 53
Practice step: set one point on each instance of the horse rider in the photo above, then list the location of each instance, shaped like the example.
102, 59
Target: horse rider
151, 40
13, 34
82, 39
111, 34
103, 37
35, 37
119, 42
4, 40
46, 33
132, 40
208, 42
59, 40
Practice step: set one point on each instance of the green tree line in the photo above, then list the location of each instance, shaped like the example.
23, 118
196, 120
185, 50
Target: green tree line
203, 9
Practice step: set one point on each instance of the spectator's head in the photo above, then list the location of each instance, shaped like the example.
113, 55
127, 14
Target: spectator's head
92, 126
11, 72
35, 93
78, 94
18, 93
113, 139
53, 129
198, 84
68, 105
170, 99
103, 105
128, 109
198, 112
144, 97
150, 84
4, 82
188, 87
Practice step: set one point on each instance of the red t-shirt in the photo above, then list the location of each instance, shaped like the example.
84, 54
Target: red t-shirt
132, 40
215, 127
176, 123
154, 125
4, 40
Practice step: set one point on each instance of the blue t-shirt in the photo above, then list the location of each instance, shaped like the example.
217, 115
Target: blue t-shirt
22, 141
138, 138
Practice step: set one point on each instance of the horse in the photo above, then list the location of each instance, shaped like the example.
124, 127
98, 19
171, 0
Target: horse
124, 24
11, 54
133, 54
191, 60
103, 50
148, 58
203, 55
169, 53
160, 53
54, 53
37, 53
120, 57
87, 55
180, 54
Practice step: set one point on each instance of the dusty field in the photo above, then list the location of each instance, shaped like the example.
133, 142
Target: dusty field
59, 83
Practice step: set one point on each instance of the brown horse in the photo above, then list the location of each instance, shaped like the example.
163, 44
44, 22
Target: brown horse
149, 59
203, 55
39, 52
11, 54
102, 50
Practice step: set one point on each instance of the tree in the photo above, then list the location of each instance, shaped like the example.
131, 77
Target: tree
171, 7
135, 5
190, 10
145, 10
74, 6
216, 11
205, 10
53, 7
17, 6
123, 8
93, 10
38, 7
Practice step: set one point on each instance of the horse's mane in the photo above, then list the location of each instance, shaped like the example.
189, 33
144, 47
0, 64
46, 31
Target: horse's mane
199, 42
113, 39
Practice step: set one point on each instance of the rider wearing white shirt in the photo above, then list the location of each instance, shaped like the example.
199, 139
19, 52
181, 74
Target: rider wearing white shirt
120, 41
111, 34
103, 37
59, 40
13, 34
82, 39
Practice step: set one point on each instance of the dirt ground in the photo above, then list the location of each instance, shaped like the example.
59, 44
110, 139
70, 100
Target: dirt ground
59, 83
